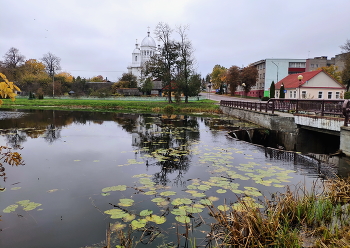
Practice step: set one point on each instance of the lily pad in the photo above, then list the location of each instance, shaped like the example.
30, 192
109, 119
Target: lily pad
183, 219
146, 212
178, 211
168, 193
10, 208
136, 224
221, 191
116, 213
114, 188
16, 188
155, 218
224, 208
179, 201
126, 202
129, 217
117, 226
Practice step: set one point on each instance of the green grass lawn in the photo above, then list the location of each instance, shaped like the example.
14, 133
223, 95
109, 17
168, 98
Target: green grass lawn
195, 106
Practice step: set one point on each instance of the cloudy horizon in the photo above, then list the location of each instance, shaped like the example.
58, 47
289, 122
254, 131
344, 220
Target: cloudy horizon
97, 37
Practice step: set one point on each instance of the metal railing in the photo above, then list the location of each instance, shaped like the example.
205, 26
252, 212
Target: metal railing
340, 108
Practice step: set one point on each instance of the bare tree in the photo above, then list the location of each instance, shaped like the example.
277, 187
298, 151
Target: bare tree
52, 63
185, 61
13, 58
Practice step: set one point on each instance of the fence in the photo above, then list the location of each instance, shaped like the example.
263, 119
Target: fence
339, 108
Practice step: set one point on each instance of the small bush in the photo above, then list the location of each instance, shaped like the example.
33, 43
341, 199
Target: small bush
265, 98
347, 95
169, 109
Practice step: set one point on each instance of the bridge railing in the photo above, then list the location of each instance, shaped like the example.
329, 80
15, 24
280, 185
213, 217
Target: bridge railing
339, 108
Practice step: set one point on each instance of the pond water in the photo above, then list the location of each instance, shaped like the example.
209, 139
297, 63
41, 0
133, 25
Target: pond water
84, 171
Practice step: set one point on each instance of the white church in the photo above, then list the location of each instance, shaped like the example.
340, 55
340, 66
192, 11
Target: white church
142, 54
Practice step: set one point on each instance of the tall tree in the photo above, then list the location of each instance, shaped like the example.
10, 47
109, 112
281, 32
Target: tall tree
185, 63
218, 76
163, 65
52, 63
233, 78
272, 90
12, 61
346, 71
249, 75
282, 94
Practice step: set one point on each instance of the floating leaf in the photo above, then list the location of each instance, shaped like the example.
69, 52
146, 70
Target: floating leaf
204, 187
183, 219
105, 194
146, 212
158, 199
179, 201
224, 207
178, 211
192, 187
117, 226
168, 193
16, 188
136, 224
114, 188
129, 217
206, 202
221, 191
155, 218
193, 210
199, 195
116, 213
213, 198
10, 208
126, 202
51, 190
28, 205
152, 192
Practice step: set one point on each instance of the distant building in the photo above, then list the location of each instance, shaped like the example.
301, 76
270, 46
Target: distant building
142, 54
314, 85
318, 62
273, 70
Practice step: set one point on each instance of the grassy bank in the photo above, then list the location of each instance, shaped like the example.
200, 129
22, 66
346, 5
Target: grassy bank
193, 107
294, 219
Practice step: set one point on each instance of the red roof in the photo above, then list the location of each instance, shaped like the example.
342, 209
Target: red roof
291, 81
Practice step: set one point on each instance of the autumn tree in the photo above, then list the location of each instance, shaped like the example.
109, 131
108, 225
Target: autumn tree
98, 78
232, 78
218, 77
52, 63
346, 71
7, 89
332, 71
248, 77
12, 61
34, 76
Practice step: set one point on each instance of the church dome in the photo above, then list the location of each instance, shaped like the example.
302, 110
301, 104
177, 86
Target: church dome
136, 50
148, 41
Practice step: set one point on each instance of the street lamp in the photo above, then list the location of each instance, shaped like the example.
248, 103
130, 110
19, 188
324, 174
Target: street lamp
300, 78
243, 85
277, 70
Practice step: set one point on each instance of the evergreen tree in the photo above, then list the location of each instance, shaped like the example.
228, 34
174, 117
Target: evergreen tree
282, 94
272, 90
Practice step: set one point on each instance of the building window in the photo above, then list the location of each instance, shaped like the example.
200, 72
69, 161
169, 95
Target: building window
297, 64
263, 75
290, 94
295, 94
277, 91
320, 95
303, 94
135, 58
329, 95
312, 65
337, 95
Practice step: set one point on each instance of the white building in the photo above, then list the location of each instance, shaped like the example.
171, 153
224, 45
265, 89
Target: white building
142, 54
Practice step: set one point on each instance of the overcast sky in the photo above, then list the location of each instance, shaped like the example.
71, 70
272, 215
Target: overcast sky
97, 37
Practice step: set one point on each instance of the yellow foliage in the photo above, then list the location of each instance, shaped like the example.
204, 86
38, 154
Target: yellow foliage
7, 89
68, 77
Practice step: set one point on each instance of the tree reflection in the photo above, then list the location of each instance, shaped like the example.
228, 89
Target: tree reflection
52, 133
10, 158
167, 141
15, 138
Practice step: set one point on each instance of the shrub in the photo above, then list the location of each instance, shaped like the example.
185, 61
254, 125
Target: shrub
347, 95
265, 98
169, 109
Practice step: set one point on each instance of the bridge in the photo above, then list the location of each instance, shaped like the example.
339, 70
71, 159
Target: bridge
287, 115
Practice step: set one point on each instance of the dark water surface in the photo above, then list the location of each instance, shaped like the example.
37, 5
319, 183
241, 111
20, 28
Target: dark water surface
71, 157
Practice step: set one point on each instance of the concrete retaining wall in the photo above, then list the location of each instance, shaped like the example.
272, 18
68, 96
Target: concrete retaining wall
345, 140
